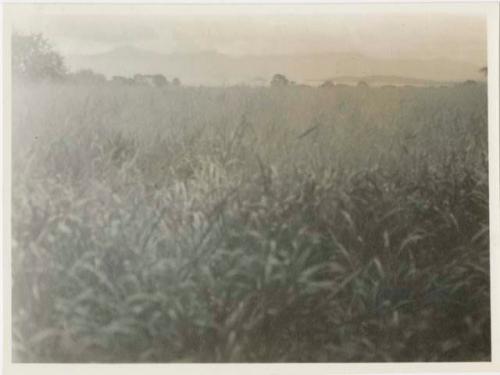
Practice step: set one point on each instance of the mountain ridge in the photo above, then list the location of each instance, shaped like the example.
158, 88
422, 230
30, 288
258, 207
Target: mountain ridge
213, 67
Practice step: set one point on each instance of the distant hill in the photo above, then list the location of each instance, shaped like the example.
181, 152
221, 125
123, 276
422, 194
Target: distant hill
213, 68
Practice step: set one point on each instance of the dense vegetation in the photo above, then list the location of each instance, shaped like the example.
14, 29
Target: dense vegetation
250, 224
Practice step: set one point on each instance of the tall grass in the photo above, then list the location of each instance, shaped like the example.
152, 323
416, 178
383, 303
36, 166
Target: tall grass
250, 224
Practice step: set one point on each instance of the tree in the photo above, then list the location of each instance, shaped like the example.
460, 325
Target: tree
279, 80
362, 84
484, 70
327, 84
34, 58
86, 76
140, 79
176, 81
122, 80
159, 80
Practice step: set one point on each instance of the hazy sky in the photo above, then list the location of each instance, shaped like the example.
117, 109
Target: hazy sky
428, 33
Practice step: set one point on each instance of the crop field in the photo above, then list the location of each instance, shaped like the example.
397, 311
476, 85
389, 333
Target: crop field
240, 224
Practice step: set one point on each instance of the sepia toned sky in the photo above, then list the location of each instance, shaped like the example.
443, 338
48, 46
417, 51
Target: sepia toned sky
257, 30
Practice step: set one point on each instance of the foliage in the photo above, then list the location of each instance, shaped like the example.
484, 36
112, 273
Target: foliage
279, 80
293, 225
86, 76
327, 84
33, 58
122, 80
159, 80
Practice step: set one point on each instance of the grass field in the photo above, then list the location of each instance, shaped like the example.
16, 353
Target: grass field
250, 224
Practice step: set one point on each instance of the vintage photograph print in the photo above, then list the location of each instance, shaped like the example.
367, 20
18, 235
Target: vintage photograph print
249, 183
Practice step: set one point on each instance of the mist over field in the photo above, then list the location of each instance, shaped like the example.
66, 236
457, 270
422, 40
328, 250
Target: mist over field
249, 204
215, 69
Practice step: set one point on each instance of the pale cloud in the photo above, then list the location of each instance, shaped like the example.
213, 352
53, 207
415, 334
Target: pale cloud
273, 31
105, 29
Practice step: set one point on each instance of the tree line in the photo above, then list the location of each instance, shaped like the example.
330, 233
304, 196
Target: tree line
35, 59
